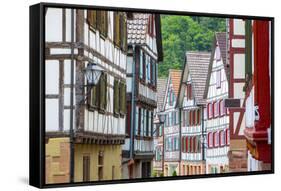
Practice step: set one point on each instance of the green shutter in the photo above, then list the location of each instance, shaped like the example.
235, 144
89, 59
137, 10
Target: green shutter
248, 49
99, 20
105, 91
93, 101
122, 93
92, 18
116, 97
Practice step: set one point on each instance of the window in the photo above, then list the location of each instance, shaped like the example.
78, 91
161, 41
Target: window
100, 166
86, 168
198, 144
218, 79
189, 91
210, 110
98, 20
141, 65
222, 108
187, 144
210, 140
144, 66
216, 109
222, 138
198, 117
191, 144
147, 69
120, 30
205, 113
182, 144
216, 139
190, 118
227, 137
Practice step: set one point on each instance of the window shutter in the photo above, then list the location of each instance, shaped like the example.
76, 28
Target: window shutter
99, 20
199, 116
122, 95
103, 23
102, 91
92, 18
117, 28
116, 97
94, 99
248, 49
186, 144
190, 91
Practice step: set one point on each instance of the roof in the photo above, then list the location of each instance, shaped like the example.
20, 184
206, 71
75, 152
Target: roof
175, 76
137, 29
220, 39
197, 66
161, 89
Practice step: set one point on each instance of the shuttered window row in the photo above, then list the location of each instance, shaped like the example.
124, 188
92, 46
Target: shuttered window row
191, 144
218, 138
216, 109
98, 20
191, 117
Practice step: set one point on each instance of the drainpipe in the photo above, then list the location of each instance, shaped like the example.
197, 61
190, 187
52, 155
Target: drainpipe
133, 107
202, 132
180, 112
71, 129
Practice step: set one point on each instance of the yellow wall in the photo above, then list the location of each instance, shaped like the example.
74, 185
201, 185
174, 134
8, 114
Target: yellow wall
57, 160
112, 157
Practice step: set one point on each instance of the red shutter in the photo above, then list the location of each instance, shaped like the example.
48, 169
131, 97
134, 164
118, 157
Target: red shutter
226, 137
186, 144
182, 145
190, 91
199, 116
194, 144
128, 121
190, 118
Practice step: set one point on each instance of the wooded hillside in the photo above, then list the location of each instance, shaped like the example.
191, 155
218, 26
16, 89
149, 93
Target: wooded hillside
186, 33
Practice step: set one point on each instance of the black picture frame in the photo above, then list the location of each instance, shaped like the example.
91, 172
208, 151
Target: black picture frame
37, 89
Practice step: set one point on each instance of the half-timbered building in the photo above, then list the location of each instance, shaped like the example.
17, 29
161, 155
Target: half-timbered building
236, 105
97, 115
191, 107
258, 94
171, 125
158, 133
144, 53
217, 116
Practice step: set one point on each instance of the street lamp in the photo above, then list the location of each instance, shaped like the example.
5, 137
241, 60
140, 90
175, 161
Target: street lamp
161, 118
93, 73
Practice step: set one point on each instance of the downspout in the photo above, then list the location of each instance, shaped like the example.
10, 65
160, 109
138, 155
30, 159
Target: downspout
203, 133
180, 112
133, 108
71, 129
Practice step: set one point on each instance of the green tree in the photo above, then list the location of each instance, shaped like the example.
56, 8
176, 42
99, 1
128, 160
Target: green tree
185, 33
